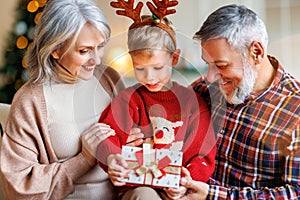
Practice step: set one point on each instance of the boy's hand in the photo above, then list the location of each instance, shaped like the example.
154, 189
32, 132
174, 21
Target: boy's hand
174, 193
135, 137
177, 193
117, 169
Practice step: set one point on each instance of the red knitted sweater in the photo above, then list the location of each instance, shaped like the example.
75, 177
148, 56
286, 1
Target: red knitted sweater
133, 107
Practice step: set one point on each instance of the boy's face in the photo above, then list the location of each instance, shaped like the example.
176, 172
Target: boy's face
154, 69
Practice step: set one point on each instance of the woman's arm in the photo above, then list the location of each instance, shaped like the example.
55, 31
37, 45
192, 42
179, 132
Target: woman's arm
29, 166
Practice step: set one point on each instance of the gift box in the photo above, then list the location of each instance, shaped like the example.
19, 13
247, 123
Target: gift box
152, 167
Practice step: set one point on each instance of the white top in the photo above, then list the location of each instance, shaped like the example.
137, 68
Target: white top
72, 108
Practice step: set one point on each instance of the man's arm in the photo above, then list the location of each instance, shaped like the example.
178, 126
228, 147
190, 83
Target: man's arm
290, 190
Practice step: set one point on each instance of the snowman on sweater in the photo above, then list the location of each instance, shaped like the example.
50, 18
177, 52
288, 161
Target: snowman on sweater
163, 132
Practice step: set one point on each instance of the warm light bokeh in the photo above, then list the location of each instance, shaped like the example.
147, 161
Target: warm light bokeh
33, 6
120, 61
22, 42
37, 17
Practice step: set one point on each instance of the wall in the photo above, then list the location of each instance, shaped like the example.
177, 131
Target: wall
7, 14
281, 17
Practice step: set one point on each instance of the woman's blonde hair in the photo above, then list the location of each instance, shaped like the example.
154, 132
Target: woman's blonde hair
61, 21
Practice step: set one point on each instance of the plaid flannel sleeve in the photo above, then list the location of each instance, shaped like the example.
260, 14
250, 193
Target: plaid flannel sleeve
291, 190
283, 192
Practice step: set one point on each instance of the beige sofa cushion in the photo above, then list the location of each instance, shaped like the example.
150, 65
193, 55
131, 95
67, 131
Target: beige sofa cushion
4, 110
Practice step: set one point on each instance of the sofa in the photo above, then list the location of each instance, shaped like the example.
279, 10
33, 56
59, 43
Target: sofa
4, 110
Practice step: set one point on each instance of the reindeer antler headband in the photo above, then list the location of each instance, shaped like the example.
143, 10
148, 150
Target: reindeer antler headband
158, 13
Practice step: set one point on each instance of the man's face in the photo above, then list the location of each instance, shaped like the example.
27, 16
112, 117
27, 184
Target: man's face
235, 75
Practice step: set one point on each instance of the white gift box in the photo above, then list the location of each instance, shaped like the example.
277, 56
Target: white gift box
153, 167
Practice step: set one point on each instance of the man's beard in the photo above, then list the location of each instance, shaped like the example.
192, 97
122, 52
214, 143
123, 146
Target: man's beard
246, 86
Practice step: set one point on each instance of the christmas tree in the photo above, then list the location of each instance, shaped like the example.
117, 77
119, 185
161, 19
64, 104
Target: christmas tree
13, 72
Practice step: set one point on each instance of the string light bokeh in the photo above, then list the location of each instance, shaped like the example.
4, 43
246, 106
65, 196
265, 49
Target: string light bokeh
14, 74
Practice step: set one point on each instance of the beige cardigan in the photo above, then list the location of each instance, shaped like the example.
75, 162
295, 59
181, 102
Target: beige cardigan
29, 166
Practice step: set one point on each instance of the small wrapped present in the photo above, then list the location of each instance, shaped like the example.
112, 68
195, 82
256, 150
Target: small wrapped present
153, 167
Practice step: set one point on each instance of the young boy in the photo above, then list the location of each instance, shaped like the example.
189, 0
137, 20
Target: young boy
157, 98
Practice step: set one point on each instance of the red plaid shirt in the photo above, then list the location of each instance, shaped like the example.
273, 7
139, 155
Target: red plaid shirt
258, 141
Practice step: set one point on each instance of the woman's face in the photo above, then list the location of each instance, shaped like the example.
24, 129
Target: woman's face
81, 58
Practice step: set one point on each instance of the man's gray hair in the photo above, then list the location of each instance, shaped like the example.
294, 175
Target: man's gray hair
239, 25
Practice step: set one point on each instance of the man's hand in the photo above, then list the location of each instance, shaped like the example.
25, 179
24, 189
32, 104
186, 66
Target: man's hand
197, 190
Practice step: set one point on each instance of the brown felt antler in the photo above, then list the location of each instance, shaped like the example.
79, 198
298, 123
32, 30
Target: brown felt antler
128, 9
159, 10
162, 6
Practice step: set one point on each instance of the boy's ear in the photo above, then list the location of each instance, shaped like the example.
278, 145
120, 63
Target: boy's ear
175, 57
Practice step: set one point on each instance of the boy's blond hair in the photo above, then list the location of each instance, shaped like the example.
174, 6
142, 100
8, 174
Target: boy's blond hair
151, 37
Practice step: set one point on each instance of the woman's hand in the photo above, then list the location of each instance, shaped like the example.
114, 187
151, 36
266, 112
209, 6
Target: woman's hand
135, 137
117, 169
91, 138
